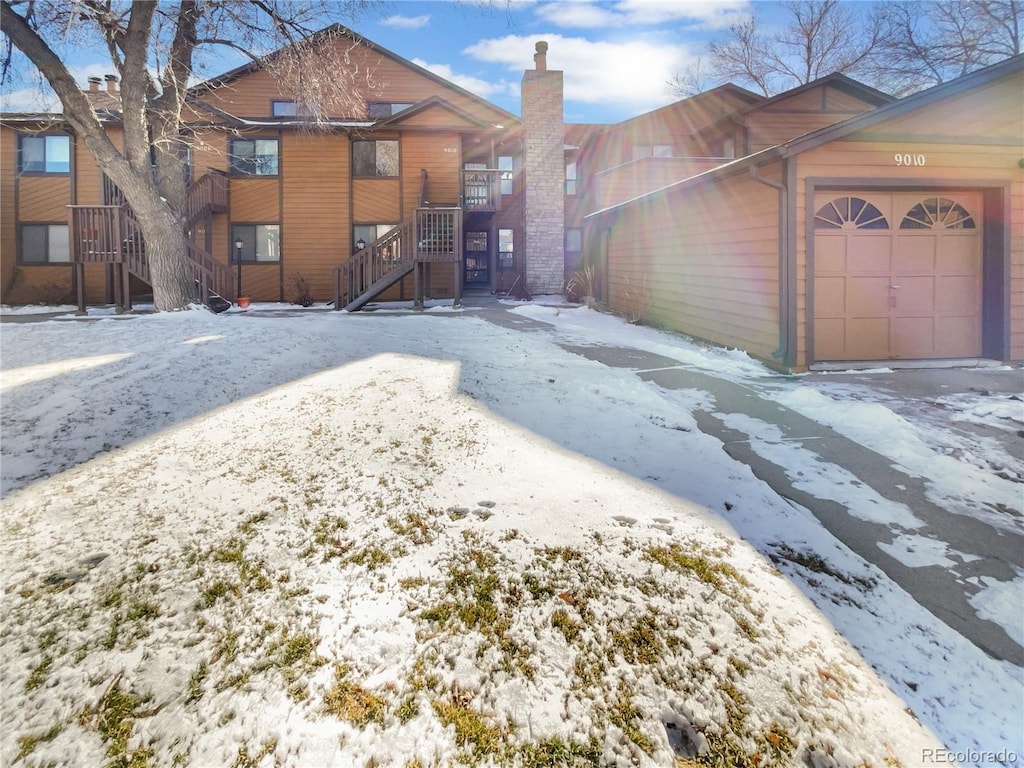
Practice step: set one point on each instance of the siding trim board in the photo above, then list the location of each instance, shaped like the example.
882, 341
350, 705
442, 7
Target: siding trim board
995, 257
916, 138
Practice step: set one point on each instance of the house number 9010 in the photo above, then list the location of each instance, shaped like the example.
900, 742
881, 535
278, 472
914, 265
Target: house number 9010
907, 159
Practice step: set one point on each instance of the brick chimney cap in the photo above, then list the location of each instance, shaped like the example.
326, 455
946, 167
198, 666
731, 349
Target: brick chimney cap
95, 79
541, 46
109, 78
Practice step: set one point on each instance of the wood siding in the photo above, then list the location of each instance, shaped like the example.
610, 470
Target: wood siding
382, 78
709, 260
790, 116
767, 129
316, 203
377, 201
438, 154
639, 177
256, 200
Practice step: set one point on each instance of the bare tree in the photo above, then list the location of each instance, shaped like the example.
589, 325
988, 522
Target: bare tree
930, 43
819, 37
154, 48
898, 47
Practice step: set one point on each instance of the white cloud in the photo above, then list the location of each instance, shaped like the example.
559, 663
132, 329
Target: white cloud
407, 22
483, 88
598, 14
630, 75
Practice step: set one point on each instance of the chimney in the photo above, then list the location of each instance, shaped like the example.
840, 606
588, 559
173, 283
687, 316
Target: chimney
111, 83
94, 84
540, 58
543, 177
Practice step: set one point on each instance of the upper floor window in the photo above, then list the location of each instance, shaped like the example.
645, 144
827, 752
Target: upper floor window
375, 158
386, 108
45, 244
44, 154
506, 168
284, 108
254, 157
570, 178
651, 150
260, 242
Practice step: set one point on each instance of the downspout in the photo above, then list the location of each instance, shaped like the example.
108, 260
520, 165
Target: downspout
784, 353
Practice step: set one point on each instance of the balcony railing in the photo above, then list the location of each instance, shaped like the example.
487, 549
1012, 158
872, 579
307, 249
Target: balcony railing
481, 190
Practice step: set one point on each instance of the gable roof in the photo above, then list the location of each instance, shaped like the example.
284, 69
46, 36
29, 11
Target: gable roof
436, 103
343, 31
976, 79
836, 80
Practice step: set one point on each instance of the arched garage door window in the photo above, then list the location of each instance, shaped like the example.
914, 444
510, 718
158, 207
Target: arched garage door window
849, 213
938, 213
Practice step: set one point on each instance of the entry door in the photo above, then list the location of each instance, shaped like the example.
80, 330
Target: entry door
477, 272
897, 275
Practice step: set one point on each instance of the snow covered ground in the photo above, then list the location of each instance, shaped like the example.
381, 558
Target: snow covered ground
315, 539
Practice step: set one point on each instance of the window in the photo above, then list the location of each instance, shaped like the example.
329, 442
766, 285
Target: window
849, 213
506, 249
386, 108
573, 240
45, 244
651, 150
506, 168
254, 157
375, 158
260, 242
44, 154
937, 213
284, 109
570, 178
369, 232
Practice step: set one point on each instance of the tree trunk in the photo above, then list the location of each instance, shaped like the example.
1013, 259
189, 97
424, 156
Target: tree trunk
167, 255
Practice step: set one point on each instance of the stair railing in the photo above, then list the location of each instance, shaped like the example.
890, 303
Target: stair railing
392, 251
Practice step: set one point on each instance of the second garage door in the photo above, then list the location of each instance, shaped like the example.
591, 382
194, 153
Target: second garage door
896, 275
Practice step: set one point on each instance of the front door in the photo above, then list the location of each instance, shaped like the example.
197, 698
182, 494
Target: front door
477, 272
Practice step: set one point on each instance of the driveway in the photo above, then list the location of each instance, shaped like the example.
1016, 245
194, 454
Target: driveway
946, 555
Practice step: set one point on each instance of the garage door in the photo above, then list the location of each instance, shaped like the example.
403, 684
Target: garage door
896, 275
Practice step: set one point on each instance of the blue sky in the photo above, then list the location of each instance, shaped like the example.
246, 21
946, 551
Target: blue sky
616, 55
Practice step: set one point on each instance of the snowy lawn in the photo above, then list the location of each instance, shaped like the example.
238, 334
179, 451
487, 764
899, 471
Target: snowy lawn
331, 540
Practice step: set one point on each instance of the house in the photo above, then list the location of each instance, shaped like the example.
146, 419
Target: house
894, 234
607, 165
422, 193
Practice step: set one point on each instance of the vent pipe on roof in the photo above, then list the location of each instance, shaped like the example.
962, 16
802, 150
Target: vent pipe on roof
540, 58
111, 83
94, 84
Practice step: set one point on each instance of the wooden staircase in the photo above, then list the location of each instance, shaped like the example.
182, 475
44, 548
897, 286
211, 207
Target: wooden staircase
110, 234
432, 235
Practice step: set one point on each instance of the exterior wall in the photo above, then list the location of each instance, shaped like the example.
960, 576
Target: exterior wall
315, 203
383, 78
543, 155
30, 198
790, 116
706, 258
630, 180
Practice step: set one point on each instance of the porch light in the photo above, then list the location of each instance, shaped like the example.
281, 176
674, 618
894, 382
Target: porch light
360, 244
238, 265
